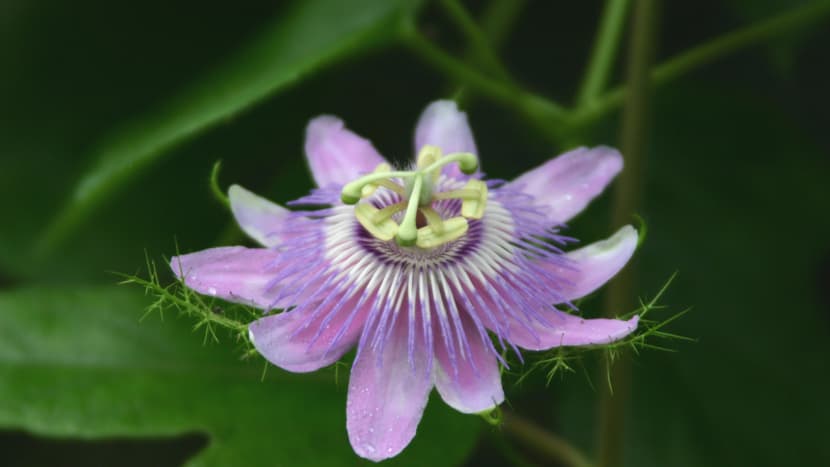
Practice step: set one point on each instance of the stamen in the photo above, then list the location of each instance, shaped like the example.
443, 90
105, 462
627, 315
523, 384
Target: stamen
427, 157
379, 222
390, 185
370, 188
461, 194
451, 229
473, 208
418, 195
353, 191
433, 219
388, 211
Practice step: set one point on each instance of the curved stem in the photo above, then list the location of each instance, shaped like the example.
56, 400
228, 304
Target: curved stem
480, 46
498, 18
542, 441
706, 53
605, 50
548, 116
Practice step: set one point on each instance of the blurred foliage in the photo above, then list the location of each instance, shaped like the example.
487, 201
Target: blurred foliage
732, 211
117, 378
736, 200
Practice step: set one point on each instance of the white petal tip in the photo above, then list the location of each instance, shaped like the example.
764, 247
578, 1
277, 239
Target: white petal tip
626, 238
251, 335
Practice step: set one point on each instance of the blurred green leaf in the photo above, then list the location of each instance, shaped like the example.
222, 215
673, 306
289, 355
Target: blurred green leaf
313, 34
77, 363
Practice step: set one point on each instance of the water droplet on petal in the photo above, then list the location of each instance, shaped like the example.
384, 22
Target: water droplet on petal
369, 448
211, 291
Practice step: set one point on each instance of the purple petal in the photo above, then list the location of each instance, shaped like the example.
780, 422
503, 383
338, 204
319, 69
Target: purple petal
282, 340
337, 156
569, 330
442, 124
563, 186
595, 264
234, 273
258, 217
475, 388
387, 396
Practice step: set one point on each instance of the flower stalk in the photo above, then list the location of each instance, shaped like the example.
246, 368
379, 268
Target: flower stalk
605, 51
704, 54
543, 441
557, 122
480, 46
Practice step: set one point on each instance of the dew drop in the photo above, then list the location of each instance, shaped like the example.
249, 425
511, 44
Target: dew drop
370, 448
211, 291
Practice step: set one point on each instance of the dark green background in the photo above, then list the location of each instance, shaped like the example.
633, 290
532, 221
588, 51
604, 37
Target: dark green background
736, 200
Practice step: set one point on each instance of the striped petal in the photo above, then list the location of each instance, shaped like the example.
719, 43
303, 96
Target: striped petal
236, 274
387, 395
256, 216
563, 186
471, 384
294, 341
335, 155
570, 330
442, 124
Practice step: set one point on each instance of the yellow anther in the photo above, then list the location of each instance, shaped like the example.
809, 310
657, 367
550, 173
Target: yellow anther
433, 219
452, 229
428, 156
457, 194
473, 207
378, 222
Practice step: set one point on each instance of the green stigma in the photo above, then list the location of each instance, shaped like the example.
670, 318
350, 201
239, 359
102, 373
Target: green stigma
418, 193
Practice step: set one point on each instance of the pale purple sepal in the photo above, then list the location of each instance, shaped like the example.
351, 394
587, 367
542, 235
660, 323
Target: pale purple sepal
293, 342
475, 388
594, 265
442, 124
235, 273
563, 186
387, 395
570, 330
256, 216
336, 155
